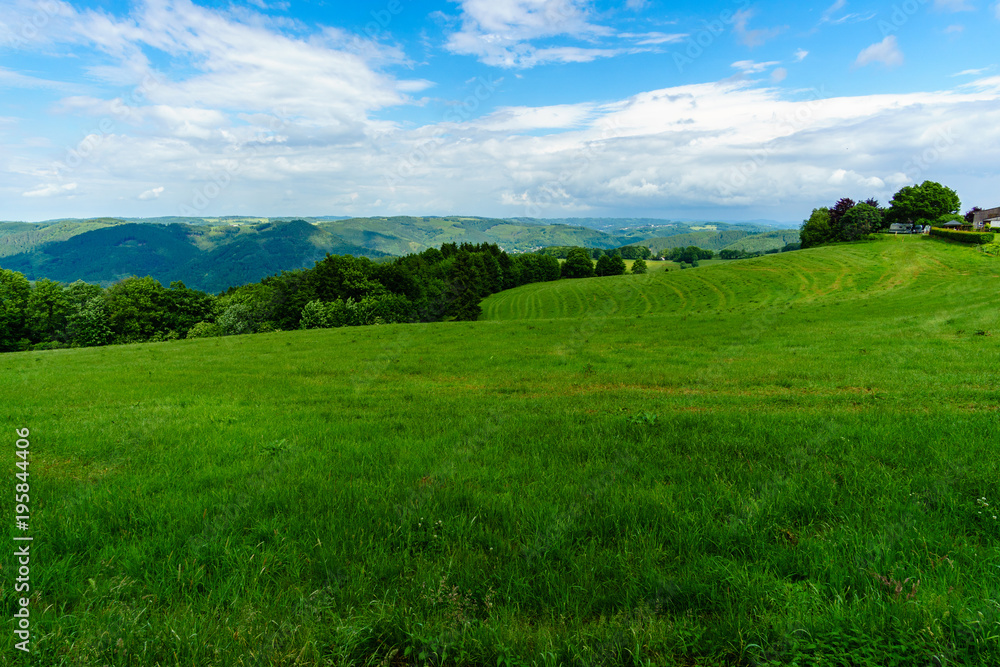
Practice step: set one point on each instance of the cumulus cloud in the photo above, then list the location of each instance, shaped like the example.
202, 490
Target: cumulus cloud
725, 144
800, 55
886, 53
210, 138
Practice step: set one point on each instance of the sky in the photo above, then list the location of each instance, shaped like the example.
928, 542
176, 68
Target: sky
730, 110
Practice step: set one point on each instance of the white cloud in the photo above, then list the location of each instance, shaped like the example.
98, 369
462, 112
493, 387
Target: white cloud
885, 52
51, 190
996, 10
971, 72
834, 8
751, 67
217, 138
500, 32
800, 55
828, 15
636, 5
954, 29
729, 144
9, 79
652, 38
750, 37
524, 119
953, 6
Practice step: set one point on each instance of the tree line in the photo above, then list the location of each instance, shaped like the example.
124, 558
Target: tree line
340, 290
927, 204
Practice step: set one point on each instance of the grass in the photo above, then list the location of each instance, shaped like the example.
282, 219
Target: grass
599, 475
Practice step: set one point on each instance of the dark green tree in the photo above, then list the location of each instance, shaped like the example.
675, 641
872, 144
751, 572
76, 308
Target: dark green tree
635, 252
14, 294
88, 325
838, 210
858, 222
578, 264
929, 201
48, 308
639, 266
137, 309
817, 229
617, 266
186, 307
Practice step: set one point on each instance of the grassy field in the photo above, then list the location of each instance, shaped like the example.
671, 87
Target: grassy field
783, 460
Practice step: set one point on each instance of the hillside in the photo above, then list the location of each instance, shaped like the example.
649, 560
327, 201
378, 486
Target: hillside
217, 253
749, 240
783, 460
768, 241
204, 257
406, 234
25, 237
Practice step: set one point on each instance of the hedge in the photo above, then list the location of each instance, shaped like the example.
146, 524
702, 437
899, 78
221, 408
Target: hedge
963, 237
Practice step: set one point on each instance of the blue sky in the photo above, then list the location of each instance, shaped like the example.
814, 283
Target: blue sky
543, 108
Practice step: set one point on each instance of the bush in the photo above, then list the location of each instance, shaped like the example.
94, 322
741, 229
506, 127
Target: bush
204, 330
975, 238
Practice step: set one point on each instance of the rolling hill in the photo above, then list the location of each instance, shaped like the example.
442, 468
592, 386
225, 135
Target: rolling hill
208, 258
783, 460
217, 253
749, 240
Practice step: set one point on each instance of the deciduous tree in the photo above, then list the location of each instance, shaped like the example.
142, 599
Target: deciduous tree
578, 264
929, 200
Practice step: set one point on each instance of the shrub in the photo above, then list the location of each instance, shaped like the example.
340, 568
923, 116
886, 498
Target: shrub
204, 330
314, 316
976, 238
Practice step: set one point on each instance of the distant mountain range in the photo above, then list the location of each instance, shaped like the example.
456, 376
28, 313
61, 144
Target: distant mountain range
216, 253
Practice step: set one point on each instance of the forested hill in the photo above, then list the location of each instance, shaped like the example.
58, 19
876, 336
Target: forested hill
207, 258
216, 253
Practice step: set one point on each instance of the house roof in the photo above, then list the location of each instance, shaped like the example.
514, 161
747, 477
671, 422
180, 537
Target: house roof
986, 214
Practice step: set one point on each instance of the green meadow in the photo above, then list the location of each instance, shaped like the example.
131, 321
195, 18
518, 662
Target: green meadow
787, 460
